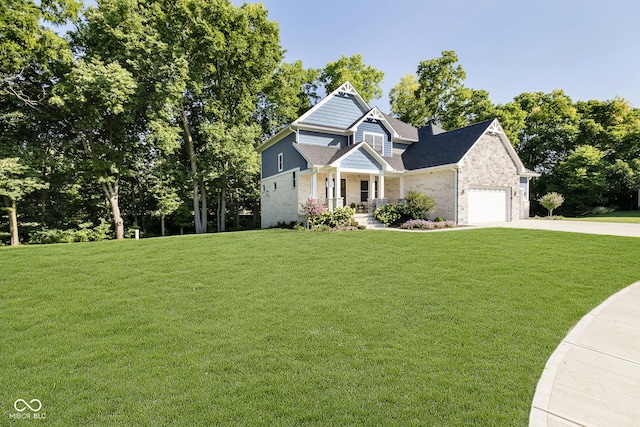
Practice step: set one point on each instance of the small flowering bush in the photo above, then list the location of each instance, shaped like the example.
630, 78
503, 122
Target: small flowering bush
312, 209
421, 224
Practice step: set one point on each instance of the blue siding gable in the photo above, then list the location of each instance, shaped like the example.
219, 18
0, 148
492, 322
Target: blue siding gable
374, 127
341, 111
292, 159
360, 159
323, 139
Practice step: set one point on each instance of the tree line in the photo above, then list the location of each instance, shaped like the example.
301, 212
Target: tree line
147, 115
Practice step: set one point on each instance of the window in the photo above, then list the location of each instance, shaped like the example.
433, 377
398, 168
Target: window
293, 177
280, 162
375, 140
275, 185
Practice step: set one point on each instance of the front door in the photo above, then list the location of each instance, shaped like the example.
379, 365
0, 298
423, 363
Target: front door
343, 191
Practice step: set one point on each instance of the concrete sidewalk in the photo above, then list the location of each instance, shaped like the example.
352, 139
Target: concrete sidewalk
593, 377
610, 228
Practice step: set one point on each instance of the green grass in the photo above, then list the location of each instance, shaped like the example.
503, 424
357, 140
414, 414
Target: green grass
291, 328
632, 217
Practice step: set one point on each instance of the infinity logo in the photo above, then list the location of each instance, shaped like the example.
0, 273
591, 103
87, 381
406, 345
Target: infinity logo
27, 405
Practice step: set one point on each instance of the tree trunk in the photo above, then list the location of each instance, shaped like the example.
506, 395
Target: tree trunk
203, 208
237, 219
191, 152
13, 224
111, 193
162, 225
223, 209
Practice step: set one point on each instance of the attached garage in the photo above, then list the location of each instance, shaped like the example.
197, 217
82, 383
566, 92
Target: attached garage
487, 205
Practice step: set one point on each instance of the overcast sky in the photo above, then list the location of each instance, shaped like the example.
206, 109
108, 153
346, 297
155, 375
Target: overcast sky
588, 48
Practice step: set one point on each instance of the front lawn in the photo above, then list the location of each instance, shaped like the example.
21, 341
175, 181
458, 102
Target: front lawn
619, 216
295, 328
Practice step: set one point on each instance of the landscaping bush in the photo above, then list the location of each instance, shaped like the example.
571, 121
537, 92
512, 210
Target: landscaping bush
420, 204
393, 214
339, 217
421, 224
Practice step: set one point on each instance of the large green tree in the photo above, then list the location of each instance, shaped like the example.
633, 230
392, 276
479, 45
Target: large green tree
16, 181
437, 95
97, 98
197, 63
364, 78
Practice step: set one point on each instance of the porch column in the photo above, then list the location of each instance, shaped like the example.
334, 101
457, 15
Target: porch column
338, 195
402, 187
330, 191
381, 185
314, 184
372, 185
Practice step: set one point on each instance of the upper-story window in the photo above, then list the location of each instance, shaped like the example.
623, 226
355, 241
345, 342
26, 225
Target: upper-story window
280, 162
376, 140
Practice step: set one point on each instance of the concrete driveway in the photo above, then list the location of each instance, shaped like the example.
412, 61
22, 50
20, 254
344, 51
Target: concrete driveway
593, 377
610, 228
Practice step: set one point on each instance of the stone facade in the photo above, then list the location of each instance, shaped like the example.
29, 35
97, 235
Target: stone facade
489, 165
438, 184
279, 199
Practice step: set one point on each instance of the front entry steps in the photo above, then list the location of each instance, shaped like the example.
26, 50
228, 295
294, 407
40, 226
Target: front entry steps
368, 221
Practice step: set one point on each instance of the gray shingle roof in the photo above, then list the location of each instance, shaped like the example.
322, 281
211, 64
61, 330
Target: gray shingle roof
405, 130
444, 148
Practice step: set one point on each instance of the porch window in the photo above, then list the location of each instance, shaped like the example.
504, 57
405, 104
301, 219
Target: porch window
375, 140
280, 162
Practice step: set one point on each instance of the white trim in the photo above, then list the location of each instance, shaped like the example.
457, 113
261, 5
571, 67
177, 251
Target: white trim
370, 150
373, 145
376, 114
276, 138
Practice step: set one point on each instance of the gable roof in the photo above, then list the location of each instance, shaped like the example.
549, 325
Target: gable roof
404, 130
347, 90
445, 148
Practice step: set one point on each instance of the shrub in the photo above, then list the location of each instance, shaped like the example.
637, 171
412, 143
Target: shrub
312, 209
339, 217
601, 210
320, 227
85, 233
393, 214
420, 204
439, 219
551, 201
421, 224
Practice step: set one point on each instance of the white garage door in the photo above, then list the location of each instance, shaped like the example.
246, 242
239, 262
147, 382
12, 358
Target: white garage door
487, 206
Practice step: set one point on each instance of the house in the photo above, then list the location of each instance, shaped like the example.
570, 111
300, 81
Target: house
342, 151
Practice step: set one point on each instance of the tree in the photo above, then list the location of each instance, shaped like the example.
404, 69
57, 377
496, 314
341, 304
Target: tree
364, 78
582, 178
30, 52
15, 183
439, 97
404, 103
551, 201
197, 63
97, 98
291, 91
549, 131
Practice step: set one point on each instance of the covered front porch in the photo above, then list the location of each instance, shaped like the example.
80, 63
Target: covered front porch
363, 189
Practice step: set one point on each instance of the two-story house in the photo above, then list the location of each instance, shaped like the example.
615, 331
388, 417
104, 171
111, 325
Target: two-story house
342, 151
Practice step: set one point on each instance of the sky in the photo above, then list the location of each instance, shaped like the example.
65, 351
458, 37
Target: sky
590, 49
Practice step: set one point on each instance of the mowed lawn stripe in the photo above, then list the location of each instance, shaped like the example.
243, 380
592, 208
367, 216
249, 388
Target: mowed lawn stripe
288, 328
